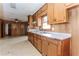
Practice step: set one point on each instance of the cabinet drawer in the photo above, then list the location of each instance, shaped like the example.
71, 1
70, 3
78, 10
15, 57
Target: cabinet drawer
52, 41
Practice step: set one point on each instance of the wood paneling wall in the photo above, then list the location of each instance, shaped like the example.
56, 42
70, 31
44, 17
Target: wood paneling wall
18, 29
71, 27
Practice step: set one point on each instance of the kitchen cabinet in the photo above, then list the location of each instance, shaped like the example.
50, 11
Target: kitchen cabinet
35, 40
58, 48
39, 43
50, 13
30, 19
44, 46
52, 49
42, 9
59, 13
41, 12
56, 13
30, 37
35, 18
50, 46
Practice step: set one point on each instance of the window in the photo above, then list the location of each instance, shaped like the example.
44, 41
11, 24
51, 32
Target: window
45, 24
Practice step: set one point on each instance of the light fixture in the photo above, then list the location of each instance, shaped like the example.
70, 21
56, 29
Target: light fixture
16, 20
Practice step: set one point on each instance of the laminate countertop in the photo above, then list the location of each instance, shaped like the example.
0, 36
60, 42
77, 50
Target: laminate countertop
54, 35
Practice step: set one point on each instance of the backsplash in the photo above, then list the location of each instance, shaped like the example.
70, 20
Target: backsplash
60, 28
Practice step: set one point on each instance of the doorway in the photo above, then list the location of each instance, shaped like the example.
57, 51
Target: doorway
2, 30
8, 29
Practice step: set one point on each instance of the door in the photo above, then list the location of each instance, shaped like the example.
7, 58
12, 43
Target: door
39, 44
44, 46
59, 13
50, 13
52, 49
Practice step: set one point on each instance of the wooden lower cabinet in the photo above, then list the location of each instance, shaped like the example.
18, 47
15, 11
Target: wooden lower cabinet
50, 47
30, 37
35, 40
44, 46
39, 44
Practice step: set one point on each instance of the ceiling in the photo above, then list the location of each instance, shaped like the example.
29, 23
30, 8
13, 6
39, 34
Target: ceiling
20, 10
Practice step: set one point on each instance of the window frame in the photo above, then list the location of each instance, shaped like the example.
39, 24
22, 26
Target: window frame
42, 22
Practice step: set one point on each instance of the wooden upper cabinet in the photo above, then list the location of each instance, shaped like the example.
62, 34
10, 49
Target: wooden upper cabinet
42, 9
59, 13
56, 13
30, 19
50, 13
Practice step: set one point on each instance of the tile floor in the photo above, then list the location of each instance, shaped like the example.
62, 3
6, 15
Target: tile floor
18, 46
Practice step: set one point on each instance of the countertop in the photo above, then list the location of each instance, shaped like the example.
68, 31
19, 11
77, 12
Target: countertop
54, 35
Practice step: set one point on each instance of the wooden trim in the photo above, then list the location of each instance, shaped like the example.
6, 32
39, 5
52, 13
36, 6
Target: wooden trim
40, 8
72, 5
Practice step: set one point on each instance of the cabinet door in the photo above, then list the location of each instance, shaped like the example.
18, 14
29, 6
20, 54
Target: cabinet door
32, 38
50, 13
52, 49
36, 41
39, 44
44, 46
29, 36
30, 19
59, 13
